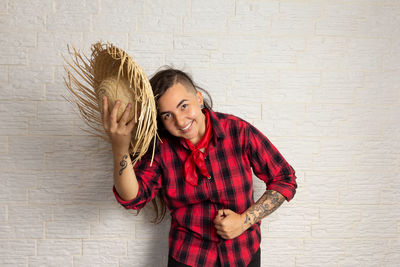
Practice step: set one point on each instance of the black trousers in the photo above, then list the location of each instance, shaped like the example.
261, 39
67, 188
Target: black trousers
255, 261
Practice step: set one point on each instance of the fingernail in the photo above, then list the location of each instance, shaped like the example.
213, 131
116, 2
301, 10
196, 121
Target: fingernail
129, 105
117, 102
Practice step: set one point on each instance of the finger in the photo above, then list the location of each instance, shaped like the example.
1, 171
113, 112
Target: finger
217, 220
125, 115
220, 223
227, 212
218, 227
131, 125
221, 214
221, 234
114, 111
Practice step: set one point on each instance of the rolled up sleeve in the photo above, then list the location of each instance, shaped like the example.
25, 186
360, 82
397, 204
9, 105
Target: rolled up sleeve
149, 180
269, 165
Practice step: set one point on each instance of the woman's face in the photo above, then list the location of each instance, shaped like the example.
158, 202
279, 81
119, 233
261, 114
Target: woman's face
180, 112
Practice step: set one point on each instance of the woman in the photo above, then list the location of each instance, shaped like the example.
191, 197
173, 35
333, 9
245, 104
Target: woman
204, 166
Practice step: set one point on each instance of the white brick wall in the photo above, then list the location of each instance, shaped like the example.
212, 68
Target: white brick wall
319, 77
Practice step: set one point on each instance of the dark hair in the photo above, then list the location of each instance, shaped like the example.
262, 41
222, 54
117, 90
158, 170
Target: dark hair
167, 77
160, 82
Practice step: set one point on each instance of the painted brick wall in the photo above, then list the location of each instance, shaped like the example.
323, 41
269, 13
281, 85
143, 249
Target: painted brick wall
321, 78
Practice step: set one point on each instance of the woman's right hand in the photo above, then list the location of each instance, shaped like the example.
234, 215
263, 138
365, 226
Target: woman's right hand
120, 131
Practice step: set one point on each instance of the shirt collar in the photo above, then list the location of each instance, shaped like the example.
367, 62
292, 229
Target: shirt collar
217, 129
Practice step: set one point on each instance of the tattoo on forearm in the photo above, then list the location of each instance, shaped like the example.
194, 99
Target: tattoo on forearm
268, 203
123, 163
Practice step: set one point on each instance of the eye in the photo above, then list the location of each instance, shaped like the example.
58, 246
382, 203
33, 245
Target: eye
166, 116
184, 106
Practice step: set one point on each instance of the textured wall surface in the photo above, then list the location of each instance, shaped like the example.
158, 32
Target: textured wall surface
320, 78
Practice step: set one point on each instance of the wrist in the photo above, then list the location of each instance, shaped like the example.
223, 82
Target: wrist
120, 145
246, 223
119, 153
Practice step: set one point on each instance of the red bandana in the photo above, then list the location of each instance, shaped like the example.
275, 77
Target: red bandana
196, 158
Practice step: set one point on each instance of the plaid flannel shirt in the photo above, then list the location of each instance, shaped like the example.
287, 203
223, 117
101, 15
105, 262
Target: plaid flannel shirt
236, 150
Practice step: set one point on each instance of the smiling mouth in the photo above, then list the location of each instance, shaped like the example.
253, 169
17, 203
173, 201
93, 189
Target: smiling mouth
187, 127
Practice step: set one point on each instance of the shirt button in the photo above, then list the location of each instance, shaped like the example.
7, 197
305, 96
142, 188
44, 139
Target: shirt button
209, 177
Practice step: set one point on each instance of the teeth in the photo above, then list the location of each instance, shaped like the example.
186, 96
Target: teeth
187, 127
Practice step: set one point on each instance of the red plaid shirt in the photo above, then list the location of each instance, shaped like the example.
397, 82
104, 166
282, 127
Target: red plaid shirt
236, 149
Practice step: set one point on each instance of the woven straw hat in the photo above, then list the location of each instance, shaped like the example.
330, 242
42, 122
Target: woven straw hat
110, 71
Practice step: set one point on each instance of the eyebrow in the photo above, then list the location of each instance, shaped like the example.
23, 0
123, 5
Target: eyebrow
177, 106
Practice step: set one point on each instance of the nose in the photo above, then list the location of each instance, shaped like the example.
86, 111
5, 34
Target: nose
180, 120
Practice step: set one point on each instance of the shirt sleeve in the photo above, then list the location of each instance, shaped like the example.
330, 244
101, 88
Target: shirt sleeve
269, 165
148, 176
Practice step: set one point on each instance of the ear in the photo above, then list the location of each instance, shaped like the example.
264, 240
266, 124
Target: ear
199, 97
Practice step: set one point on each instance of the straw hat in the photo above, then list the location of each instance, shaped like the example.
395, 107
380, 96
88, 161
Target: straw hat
110, 71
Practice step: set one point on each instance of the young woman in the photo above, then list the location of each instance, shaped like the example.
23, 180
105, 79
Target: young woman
203, 166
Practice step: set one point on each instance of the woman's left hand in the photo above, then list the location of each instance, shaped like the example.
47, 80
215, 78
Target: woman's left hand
228, 223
